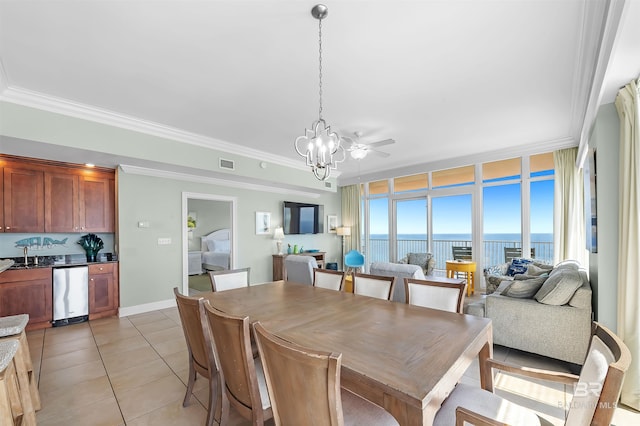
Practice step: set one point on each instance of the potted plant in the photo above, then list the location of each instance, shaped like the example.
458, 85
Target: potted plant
91, 244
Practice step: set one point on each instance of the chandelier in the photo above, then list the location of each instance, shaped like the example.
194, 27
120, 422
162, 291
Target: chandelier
319, 145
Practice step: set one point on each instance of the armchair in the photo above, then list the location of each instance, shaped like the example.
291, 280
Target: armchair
425, 260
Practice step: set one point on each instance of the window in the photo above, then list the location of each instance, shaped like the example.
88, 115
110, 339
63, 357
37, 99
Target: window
453, 177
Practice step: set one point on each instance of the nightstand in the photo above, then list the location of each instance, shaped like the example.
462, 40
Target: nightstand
195, 262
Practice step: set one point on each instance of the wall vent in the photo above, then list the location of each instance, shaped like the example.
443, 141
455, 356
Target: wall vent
227, 164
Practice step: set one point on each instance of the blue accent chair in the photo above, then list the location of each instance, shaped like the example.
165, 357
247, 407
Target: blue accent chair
354, 260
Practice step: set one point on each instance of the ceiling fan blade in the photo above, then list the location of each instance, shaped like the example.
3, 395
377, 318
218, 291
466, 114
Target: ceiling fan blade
379, 153
380, 143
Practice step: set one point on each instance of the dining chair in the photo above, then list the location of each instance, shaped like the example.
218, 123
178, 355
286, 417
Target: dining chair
12, 402
299, 268
241, 376
229, 279
377, 286
461, 253
511, 253
304, 386
201, 352
435, 294
327, 278
595, 397
354, 260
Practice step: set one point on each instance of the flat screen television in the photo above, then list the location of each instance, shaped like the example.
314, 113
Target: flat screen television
302, 218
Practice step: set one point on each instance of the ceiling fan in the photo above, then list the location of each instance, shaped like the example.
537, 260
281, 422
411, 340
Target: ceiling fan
358, 150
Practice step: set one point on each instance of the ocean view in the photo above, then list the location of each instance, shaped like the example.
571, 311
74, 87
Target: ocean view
540, 238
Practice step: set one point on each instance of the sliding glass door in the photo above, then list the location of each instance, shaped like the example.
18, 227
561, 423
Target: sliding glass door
452, 224
411, 227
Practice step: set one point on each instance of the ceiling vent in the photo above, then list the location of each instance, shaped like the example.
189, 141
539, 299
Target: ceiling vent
227, 164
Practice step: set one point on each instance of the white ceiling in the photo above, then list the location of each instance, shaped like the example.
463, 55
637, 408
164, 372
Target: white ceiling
445, 79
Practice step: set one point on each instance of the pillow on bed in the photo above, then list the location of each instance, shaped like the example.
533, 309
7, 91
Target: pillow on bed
218, 246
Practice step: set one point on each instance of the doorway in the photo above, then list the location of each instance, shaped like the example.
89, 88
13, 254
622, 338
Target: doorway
204, 215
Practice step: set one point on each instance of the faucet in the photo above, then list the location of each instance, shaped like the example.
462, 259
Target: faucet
26, 250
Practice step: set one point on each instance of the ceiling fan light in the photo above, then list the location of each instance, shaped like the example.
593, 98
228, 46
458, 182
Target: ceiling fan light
358, 153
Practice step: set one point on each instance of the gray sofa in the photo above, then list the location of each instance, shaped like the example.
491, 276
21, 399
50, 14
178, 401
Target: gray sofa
400, 272
554, 329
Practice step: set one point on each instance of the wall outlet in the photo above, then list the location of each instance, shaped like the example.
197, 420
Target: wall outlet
164, 241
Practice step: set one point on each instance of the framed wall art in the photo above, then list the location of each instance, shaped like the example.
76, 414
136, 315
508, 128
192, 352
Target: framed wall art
263, 223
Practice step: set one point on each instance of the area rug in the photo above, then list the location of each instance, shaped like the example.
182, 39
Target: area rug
200, 282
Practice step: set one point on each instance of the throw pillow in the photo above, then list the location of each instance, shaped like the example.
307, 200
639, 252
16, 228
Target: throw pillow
504, 285
524, 289
536, 270
518, 266
559, 288
494, 281
418, 259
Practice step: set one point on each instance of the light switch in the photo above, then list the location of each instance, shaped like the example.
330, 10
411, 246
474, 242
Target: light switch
164, 241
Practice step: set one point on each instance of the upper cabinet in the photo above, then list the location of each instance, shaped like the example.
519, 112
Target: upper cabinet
45, 197
23, 200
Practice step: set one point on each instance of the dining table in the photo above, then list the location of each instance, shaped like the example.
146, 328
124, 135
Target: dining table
404, 358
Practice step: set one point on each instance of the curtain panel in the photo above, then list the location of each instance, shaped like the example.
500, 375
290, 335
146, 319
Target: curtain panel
351, 215
569, 229
628, 325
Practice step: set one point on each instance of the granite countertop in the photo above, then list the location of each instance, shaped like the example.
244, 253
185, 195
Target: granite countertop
56, 261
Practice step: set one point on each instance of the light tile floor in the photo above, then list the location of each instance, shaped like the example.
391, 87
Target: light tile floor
133, 371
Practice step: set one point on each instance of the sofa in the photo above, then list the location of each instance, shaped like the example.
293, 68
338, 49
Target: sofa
425, 260
548, 313
400, 272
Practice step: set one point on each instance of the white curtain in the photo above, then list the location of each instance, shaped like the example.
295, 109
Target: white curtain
569, 232
351, 215
629, 238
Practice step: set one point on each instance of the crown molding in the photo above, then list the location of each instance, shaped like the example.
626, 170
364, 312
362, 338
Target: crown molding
32, 99
144, 171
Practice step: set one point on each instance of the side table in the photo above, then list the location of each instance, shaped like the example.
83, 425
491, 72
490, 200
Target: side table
468, 268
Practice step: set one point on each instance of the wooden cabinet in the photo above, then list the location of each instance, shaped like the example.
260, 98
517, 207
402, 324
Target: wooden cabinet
97, 206
23, 191
278, 262
104, 297
75, 203
28, 291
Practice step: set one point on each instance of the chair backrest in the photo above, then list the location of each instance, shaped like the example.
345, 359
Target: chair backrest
598, 389
446, 296
326, 278
377, 286
238, 371
303, 384
299, 268
196, 333
515, 252
461, 253
229, 279
354, 259
400, 271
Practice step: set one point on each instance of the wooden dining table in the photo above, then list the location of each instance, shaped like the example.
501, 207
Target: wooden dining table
404, 358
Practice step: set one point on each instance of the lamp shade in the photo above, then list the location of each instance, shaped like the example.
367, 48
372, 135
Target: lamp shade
278, 233
343, 230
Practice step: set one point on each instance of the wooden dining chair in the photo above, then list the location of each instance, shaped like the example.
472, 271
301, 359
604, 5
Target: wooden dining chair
435, 294
327, 278
304, 386
377, 286
201, 352
241, 376
229, 279
595, 398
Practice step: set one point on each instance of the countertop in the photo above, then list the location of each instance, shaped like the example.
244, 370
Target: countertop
60, 261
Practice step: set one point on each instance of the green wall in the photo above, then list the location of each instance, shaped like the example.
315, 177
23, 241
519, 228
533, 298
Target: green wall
148, 271
603, 265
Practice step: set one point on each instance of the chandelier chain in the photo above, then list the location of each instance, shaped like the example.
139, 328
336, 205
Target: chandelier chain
320, 66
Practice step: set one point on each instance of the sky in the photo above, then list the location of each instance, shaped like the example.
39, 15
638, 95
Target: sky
453, 214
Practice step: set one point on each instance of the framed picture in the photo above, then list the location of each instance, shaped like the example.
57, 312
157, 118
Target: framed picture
332, 223
263, 223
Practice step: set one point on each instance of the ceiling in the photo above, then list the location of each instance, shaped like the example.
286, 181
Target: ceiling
448, 80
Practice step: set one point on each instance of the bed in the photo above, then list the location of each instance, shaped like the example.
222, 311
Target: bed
216, 250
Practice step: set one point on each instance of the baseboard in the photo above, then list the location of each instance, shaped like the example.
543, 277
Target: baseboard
147, 307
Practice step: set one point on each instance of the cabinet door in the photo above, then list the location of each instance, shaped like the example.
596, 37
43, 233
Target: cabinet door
103, 289
1, 200
27, 292
23, 200
97, 204
61, 203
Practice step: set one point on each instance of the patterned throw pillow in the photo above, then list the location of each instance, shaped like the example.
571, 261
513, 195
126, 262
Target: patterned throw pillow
518, 266
418, 259
494, 281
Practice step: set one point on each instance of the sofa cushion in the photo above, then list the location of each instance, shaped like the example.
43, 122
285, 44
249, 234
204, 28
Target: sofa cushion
524, 289
518, 266
536, 270
559, 288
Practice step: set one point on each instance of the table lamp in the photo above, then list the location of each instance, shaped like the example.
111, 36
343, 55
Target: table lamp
343, 231
278, 235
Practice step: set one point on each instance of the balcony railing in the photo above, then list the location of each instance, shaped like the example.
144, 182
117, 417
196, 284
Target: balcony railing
441, 250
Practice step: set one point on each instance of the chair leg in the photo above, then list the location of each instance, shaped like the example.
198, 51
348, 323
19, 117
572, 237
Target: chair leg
214, 399
192, 380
